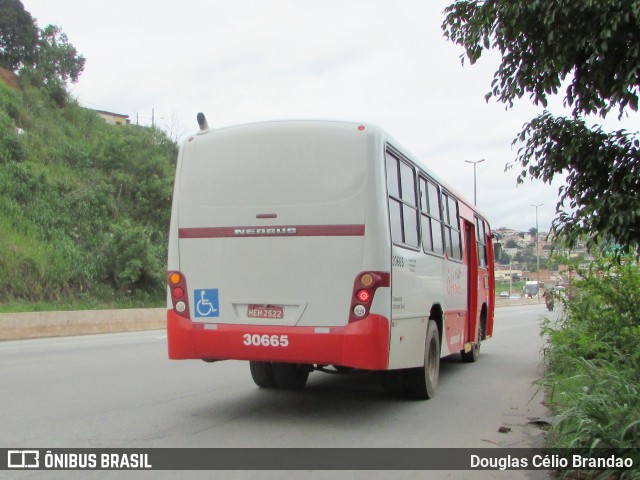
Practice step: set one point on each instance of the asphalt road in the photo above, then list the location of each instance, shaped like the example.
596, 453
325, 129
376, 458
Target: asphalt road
121, 391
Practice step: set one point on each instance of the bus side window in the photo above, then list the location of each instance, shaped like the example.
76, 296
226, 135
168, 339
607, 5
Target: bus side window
451, 227
409, 207
481, 238
431, 217
435, 210
392, 177
403, 209
395, 205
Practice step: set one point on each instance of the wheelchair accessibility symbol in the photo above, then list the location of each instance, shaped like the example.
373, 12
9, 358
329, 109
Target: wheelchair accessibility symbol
207, 303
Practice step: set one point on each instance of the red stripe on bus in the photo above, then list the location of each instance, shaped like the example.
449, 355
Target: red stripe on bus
274, 231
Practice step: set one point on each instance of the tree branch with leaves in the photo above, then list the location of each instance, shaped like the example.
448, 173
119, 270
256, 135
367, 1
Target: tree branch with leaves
591, 49
43, 57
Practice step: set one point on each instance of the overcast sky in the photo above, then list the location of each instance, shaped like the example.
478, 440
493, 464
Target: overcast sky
379, 61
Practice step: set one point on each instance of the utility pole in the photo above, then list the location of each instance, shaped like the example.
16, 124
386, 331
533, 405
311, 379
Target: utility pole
475, 162
537, 248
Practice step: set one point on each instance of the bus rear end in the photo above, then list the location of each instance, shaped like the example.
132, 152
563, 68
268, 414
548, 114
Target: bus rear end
271, 258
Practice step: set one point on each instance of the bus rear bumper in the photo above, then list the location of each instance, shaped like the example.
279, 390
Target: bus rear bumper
363, 344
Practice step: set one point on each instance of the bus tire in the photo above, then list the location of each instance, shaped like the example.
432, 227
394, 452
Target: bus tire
289, 376
262, 374
422, 381
474, 354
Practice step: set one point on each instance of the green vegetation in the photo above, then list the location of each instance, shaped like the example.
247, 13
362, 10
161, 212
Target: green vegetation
593, 375
591, 50
85, 205
42, 57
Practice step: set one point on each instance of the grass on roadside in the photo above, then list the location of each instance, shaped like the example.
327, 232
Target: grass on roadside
593, 376
83, 303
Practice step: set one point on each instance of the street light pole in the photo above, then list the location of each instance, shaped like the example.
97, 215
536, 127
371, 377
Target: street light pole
475, 162
537, 250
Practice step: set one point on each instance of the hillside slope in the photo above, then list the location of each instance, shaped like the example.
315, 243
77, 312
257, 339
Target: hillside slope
85, 205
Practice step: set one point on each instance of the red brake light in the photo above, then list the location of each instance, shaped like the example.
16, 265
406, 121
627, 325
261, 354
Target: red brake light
178, 292
363, 296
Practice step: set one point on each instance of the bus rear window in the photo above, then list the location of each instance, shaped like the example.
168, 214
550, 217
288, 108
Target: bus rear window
238, 169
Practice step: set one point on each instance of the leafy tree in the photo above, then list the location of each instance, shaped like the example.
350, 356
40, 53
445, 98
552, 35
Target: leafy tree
58, 60
57, 63
511, 243
591, 49
18, 35
44, 57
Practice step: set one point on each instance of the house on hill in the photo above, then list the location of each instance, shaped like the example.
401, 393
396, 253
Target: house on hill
113, 118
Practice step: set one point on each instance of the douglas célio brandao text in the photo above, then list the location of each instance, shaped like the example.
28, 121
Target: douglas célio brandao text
545, 462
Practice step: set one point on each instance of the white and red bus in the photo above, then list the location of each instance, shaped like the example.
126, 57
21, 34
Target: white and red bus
321, 245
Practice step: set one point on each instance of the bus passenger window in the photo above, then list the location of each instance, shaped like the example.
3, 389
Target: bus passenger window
410, 224
403, 210
395, 216
481, 240
408, 183
431, 218
452, 239
392, 177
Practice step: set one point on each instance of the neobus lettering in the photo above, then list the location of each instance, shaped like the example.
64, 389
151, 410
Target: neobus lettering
265, 231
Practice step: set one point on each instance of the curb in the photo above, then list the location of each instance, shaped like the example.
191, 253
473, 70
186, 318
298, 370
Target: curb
17, 326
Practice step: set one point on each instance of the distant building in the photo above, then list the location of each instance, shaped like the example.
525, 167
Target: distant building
505, 274
506, 232
113, 118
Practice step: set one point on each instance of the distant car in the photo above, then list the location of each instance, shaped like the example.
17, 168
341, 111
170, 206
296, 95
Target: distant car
504, 294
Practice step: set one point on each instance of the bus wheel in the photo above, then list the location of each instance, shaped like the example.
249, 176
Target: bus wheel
262, 374
474, 354
290, 376
423, 381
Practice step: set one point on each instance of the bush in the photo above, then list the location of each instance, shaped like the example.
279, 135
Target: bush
131, 262
604, 315
593, 375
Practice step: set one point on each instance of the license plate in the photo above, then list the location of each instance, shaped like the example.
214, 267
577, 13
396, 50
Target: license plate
265, 311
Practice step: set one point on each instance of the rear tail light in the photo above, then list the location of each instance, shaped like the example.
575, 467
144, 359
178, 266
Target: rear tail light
177, 289
364, 296
178, 293
364, 289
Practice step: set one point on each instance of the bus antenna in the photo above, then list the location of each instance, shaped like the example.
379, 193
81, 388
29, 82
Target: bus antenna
202, 121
